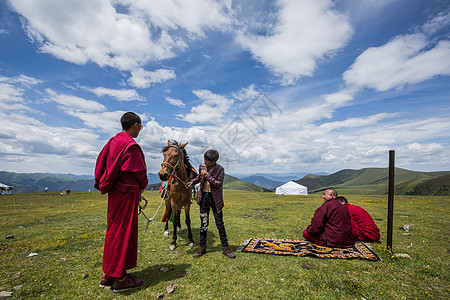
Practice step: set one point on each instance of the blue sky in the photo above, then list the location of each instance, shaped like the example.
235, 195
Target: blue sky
291, 86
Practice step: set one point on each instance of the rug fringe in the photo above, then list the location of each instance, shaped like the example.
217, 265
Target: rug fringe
244, 244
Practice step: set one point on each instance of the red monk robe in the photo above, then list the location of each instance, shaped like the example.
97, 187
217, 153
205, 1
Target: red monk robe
363, 226
330, 226
121, 172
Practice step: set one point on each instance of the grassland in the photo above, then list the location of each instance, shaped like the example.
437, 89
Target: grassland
67, 232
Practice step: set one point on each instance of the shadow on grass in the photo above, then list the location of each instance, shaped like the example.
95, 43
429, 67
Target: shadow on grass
153, 275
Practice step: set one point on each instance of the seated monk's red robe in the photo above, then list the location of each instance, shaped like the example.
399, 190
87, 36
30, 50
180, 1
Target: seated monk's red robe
331, 226
121, 172
363, 226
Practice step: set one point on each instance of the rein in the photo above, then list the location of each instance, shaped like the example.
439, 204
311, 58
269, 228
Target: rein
141, 210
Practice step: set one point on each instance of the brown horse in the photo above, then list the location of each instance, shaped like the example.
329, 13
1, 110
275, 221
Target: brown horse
176, 170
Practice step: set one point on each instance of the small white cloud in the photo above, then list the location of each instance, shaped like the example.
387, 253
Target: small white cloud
175, 102
124, 95
212, 108
356, 122
74, 103
247, 93
141, 78
339, 98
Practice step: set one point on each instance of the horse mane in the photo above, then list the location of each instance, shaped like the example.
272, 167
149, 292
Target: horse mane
187, 161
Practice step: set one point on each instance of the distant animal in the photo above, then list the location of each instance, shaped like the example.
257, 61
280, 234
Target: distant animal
177, 171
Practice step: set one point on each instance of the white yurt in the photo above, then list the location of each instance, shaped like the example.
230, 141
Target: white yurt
291, 188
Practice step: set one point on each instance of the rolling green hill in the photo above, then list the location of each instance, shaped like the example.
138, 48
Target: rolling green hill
369, 181
232, 183
439, 186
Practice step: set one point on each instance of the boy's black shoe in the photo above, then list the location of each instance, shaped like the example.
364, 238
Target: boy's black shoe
200, 252
226, 251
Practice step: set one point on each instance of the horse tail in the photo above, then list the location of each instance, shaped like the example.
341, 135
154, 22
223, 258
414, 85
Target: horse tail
166, 216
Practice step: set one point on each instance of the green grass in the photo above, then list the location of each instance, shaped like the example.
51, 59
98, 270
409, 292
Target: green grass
72, 227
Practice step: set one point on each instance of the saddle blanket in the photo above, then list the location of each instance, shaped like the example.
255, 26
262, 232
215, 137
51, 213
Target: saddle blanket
306, 248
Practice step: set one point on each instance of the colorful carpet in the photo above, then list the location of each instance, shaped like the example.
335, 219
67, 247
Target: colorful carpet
306, 248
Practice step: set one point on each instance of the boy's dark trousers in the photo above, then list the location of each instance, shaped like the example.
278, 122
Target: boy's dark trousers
207, 203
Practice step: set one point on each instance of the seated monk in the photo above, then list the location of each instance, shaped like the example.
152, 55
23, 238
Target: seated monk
331, 224
363, 226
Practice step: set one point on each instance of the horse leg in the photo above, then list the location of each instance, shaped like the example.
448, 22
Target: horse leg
168, 214
179, 229
187, 208
176, 219
166, 229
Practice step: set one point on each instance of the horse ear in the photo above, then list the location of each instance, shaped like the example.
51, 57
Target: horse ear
184, 145
168, 142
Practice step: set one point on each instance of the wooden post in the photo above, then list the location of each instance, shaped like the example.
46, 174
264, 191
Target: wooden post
390, 223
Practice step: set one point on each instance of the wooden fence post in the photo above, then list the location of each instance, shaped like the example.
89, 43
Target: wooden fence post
390, 223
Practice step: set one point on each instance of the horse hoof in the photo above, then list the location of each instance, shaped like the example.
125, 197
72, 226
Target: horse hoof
180, 230
192, 244
166, 233
172, 247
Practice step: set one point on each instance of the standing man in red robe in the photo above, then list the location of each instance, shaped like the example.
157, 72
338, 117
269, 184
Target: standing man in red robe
331, 224
121, 172
363, 226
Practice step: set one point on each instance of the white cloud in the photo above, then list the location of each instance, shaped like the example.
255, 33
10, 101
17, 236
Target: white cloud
212, 108
80, 32
249, 92
340, 98
356, 122
33, 145
175, 102
406, 59
305, 32
402, 61
107, 121
194, 17
141, 78
441, 21
120, 95
100, 31
70, 102
424, 148
12, 93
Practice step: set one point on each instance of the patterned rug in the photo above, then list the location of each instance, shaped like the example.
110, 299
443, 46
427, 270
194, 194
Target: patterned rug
306, 248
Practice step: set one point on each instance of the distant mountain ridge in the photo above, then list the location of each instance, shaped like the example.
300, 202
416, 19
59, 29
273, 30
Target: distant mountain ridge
372, 181
36, 182
263, 182
347, 181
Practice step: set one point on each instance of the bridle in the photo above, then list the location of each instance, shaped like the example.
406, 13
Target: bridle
176, 167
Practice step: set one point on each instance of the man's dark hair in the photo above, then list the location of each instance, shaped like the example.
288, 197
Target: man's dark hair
129, 119
211, 155
342, 199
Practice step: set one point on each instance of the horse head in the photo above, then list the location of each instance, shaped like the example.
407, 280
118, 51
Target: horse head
173, 159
